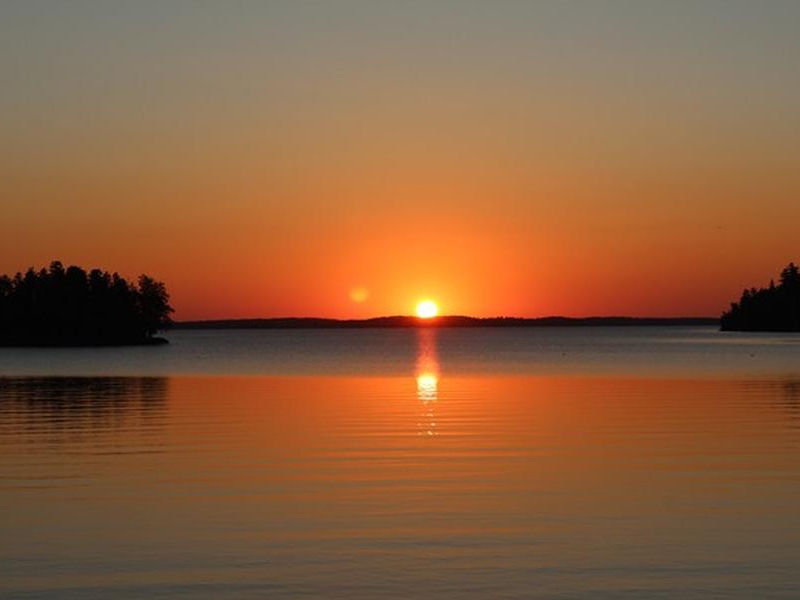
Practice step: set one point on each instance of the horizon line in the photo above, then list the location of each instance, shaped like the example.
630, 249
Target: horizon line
451, 316
446, 320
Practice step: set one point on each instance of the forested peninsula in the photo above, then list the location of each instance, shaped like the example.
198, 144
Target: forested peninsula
772, 308
69, 306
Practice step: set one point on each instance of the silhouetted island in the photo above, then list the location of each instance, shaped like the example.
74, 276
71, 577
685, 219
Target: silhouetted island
68, 307
444, 321
774, 308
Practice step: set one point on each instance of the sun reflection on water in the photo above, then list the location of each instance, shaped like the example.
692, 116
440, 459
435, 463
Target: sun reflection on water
427, 376
427, 384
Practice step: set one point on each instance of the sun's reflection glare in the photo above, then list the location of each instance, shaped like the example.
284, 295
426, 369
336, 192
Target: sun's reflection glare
427, 387
427, 376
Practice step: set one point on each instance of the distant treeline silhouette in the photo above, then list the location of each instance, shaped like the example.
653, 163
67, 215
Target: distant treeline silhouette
443, 321
59, 306
774, 308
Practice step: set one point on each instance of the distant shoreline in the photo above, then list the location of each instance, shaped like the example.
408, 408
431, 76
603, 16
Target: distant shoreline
445, 321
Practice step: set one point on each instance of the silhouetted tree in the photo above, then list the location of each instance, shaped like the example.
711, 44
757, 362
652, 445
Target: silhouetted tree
775, 308
154, 304
65, 306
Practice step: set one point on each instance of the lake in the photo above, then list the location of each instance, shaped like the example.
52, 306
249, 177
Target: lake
635, 462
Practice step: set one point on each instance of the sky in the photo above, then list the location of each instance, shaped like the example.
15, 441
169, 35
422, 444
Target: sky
347, 159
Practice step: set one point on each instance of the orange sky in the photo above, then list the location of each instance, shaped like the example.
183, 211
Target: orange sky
523, 160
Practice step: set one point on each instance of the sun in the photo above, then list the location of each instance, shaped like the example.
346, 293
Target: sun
427, 309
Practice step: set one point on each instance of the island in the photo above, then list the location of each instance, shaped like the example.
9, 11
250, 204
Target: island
61, 306
773, 308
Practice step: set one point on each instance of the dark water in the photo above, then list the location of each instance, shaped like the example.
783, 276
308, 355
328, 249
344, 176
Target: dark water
641, 463
624, 351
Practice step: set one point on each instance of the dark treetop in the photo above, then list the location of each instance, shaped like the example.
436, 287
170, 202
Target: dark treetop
58, 306
774, 308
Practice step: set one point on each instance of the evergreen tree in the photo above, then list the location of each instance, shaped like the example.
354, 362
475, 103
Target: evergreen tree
66, 306
775, 308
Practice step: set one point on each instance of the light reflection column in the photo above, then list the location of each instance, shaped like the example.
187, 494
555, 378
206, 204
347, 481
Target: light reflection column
427, 376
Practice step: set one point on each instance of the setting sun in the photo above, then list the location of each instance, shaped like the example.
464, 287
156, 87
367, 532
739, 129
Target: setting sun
427, 309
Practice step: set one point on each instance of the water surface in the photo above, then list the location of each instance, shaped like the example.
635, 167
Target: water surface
459, 464
662, 351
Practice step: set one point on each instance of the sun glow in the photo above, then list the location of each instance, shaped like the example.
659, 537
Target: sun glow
427, 309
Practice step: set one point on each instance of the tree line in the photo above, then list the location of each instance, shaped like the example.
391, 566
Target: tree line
774, 308
68, 306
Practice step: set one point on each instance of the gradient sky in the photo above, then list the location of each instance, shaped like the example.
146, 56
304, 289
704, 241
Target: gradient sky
511, 158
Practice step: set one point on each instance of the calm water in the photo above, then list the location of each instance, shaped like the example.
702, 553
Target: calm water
513, 463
